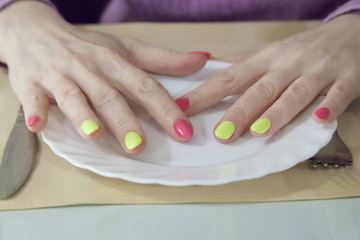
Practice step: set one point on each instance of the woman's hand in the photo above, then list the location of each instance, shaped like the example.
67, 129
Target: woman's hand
84, 71
279, 80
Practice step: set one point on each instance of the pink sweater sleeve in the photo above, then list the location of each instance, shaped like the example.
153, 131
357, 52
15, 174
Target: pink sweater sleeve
350, 6
5, 3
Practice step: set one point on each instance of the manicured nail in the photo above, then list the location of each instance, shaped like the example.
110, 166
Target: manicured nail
225, 130
183, 129
261, 126
89, 126
132, 140
207, 54
32, 120
322, 113
183, 103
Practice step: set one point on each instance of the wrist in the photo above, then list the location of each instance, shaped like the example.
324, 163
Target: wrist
28, 20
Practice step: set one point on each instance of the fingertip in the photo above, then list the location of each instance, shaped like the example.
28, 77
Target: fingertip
224, 131
190, 64
183, 129
261, 127
36, 117
323, 115
202, 53
35, 123
134, 143
183, 103
91, 129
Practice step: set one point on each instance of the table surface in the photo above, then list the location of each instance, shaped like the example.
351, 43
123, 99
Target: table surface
297, 220
318, 219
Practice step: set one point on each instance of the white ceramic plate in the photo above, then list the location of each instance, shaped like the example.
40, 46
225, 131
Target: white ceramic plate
201, 161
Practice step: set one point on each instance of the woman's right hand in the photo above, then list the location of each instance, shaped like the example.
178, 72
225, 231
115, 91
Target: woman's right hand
83, 71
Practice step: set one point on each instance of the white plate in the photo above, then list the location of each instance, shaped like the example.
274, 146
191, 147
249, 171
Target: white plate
201, 161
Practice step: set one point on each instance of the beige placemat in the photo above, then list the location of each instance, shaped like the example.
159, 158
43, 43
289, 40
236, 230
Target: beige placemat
55, 182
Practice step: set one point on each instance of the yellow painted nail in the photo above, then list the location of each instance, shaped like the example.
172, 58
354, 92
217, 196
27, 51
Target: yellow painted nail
225, 130
89, 126
261, 126
132, 140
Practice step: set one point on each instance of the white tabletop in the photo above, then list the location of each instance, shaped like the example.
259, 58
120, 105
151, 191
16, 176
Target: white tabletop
320, 219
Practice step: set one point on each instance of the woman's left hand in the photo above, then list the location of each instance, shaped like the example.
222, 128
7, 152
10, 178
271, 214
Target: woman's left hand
278, 81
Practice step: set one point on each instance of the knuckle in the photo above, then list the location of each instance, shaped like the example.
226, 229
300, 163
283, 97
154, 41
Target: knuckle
108, 53
299, 91
121, 124
227, 79
343, 89
34, 98
226, 76
105, 97
72, 57
279, 113
148, 86
241, 113
68, 95
168, 110
301, 55
70, 61
273, 48
50, 69
198, 95
351, 71
266, 90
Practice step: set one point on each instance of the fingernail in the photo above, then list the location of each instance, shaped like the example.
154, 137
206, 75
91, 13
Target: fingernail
225, 130
207, 54
32, 120
183, 103
132, 140
183, 129
89, 126
322, 113
261, 126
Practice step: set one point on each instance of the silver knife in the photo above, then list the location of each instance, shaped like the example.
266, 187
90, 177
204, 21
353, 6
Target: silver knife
335, 154
19, 156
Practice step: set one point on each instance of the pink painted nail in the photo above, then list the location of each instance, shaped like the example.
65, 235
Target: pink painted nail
322, 113
183, 103
183, 129
32, 120
207, 54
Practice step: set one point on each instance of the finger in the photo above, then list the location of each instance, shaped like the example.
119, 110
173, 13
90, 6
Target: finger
148, 92
253, 103
75, 107
340, 95
35, 104
164, 61
242, 56
117, 115
112, 107
295, 98
233, 80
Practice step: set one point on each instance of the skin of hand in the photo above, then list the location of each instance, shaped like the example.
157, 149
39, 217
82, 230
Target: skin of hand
87, 72
279, 80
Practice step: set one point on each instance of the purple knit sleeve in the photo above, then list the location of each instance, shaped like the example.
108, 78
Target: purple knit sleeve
5, 3
350, 6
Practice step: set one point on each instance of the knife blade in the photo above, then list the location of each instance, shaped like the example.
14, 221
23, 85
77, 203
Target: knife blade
18, 158
335, 154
